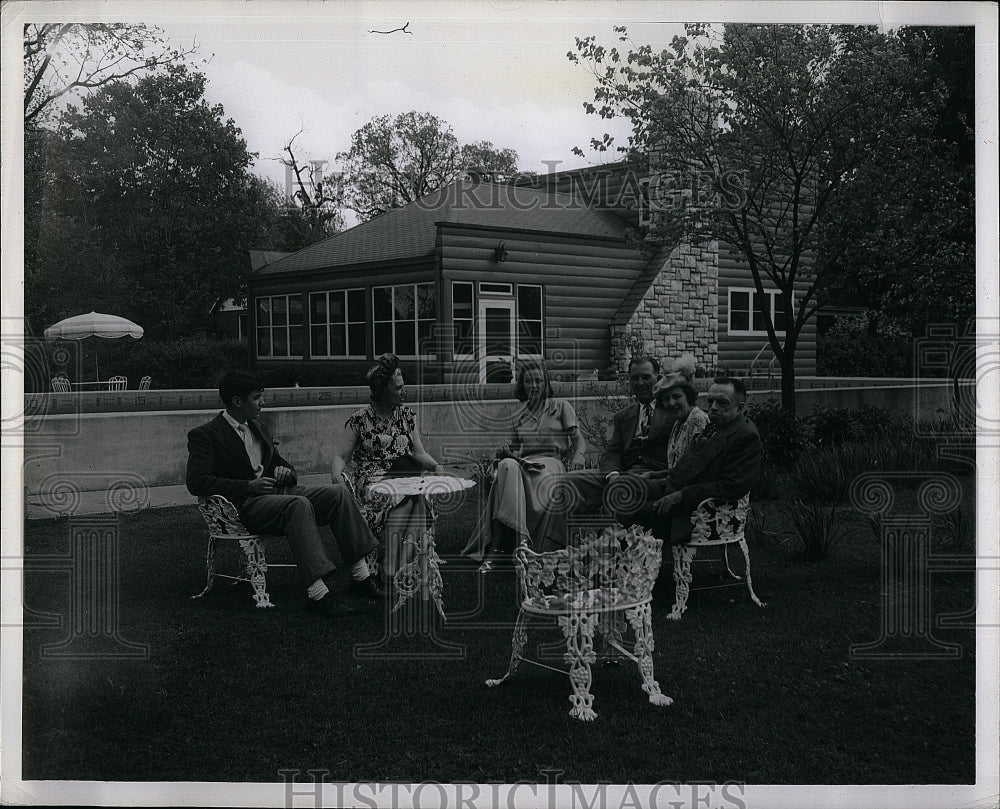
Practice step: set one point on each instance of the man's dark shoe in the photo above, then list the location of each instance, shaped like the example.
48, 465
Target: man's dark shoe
366, 588
328, 605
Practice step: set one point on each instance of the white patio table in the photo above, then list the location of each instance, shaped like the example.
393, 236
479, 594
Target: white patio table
421, 574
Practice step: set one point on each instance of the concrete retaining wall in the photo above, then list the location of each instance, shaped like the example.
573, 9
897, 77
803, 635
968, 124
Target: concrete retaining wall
99, 451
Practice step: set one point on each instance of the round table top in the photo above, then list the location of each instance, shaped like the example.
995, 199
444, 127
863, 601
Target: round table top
425, 484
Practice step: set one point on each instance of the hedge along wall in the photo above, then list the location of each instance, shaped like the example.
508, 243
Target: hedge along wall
98, 451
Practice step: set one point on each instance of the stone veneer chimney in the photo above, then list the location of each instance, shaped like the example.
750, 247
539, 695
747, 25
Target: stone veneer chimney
677, 312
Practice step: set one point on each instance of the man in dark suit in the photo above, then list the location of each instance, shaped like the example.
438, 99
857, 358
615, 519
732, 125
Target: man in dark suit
723, 463
638, 444
235, 456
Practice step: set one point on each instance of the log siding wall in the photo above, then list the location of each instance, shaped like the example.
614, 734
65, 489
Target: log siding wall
583, 281
737, 351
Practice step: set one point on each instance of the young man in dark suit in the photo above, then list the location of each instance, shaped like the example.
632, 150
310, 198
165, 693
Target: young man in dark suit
235, 456
723, 463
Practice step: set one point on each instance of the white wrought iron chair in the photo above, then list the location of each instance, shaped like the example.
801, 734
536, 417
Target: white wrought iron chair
117, 383
590, 587
60, 384
224, 523
715, 523
145, 382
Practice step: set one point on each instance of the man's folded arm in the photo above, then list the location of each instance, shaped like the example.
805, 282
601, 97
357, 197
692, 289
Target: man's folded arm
277, 460
201, 479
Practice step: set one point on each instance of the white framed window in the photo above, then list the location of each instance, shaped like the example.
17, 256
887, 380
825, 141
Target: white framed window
337, 323
748, 308
530, 320
493, 288
463, 316
403, 318
279, 326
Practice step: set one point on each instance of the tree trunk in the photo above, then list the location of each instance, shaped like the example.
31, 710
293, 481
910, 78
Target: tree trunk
788, 378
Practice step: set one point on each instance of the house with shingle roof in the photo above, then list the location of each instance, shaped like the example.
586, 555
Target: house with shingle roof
464, 283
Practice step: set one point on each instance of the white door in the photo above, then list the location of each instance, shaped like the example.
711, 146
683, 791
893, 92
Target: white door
497, 340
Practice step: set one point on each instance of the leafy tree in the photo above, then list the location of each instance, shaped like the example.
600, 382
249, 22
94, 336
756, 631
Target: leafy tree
61, 58
148, 207
394, 161
906, 230
757, 132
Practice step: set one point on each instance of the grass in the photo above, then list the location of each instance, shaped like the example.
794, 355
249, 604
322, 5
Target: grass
230, 693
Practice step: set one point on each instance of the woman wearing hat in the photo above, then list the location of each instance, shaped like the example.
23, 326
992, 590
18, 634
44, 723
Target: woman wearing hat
675, 393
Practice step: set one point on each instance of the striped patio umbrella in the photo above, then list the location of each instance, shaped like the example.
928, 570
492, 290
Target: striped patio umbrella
93, 324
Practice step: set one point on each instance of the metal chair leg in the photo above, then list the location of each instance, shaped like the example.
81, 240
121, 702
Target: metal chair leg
256, 567
746, 557
683, 556
209, 567
517, 641
641, 619
578, 629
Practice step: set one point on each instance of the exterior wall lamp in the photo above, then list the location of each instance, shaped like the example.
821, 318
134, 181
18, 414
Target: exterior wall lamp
500, 253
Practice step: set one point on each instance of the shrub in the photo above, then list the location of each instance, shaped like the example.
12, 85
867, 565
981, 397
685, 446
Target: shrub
483, 469
865, 423
861, 346
819, 476
783, 435
817, 528
596, 427
769, 483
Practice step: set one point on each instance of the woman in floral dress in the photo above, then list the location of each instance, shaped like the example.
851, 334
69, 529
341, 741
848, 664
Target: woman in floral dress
383, 441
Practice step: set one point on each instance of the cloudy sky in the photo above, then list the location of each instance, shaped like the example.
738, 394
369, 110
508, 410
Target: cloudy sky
494, 70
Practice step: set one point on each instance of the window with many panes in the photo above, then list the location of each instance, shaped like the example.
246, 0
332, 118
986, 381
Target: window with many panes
748, 309
463, 315
403, 319
337, 323
279, 326
529, 320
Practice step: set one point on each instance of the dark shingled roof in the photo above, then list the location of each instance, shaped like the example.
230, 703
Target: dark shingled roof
258, 258
409, 232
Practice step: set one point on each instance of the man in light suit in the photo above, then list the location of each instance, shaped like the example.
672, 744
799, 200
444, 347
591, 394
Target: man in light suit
235, 456
638, 445
723, 463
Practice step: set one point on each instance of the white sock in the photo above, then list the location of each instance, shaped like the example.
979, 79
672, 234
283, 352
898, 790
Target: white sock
359, 570
317, 590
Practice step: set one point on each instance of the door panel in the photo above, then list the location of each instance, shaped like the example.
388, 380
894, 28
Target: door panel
497, 340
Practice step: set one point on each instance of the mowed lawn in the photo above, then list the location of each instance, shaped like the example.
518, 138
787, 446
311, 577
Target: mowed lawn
232, 693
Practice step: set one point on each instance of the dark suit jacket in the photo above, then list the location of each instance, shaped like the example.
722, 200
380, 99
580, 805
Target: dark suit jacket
723, 466
218, 462
623, 453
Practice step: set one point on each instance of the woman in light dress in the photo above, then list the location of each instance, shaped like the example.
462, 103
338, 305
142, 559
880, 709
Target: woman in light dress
545, 441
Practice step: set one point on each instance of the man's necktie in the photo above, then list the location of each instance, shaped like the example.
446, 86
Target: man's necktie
251, 447
643, 429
